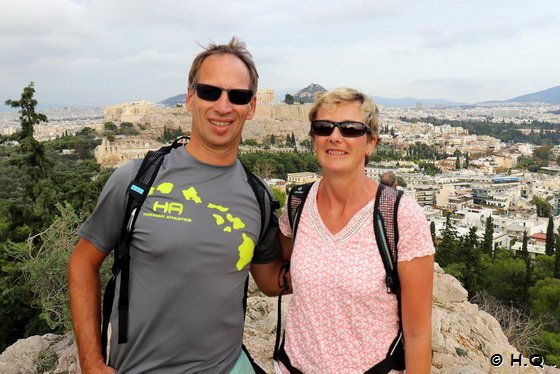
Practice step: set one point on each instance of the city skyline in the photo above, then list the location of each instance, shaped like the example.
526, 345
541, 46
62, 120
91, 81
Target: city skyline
97, 52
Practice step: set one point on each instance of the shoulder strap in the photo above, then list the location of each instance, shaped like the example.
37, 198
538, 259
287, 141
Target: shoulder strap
387, 236
137, 191
267, 202
296, 200
387, 233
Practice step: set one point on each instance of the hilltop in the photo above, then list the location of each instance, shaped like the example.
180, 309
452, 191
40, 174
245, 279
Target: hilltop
550, 95
307, 94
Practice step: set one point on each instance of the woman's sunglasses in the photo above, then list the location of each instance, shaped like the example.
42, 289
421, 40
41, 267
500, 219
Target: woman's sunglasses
348, 129
212, 93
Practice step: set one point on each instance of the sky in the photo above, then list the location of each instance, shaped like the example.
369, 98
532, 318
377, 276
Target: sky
106, 52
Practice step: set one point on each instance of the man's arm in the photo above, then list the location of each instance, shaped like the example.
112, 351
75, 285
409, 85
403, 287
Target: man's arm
287, 246
416, 279
271, 277
85, 305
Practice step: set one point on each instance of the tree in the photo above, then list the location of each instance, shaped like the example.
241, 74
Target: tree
288, 99
557, 250
33, 152
470, 256
433, 232
549, 248
545, 299
528, 267
486, 245
467, 160
446, 252
28, 117
457, 155
544, 209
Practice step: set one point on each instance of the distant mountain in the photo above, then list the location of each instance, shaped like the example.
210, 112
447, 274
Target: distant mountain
307, 94
174, 100
551, 96
410, 102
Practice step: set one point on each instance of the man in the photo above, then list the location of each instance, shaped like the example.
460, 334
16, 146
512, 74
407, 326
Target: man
389, 179
193, 242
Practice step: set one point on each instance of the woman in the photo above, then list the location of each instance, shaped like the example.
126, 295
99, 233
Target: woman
341, 318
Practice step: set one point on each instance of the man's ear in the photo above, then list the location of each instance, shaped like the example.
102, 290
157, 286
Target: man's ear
188, 98
252, 107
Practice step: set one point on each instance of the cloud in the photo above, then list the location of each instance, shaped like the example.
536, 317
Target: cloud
484, 32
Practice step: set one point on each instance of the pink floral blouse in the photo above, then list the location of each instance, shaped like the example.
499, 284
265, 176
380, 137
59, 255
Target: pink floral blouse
341, 318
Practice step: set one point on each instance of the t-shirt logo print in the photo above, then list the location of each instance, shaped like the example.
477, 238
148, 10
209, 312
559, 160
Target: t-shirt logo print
227, 222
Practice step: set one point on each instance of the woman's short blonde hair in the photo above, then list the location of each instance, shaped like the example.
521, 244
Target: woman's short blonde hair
346, 95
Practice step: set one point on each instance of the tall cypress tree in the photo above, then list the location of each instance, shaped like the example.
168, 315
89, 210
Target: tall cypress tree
470, 255
528, 266
433, 232
549, 248
557, 250
447, 248
488, 237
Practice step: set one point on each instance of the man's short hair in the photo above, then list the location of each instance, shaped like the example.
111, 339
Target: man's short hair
389, 179
345, 95
235, 47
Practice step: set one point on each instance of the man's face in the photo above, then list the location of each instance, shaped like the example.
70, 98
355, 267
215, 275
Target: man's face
217, 125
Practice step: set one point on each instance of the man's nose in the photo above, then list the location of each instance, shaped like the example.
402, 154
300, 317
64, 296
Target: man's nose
223, 105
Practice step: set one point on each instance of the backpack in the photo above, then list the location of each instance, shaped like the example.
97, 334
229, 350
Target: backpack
137, 192
386, 234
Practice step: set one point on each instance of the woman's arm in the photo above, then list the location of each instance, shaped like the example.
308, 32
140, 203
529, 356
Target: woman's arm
416, 279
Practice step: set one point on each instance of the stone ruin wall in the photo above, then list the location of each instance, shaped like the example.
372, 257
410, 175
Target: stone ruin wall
134, 112
113, 154
278, 119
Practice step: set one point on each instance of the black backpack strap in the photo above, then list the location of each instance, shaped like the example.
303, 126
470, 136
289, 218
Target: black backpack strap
394, 359
387, 235
137, 192
267, 204
282, 356
296, 199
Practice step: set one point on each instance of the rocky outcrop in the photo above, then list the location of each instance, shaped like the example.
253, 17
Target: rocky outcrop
464, 339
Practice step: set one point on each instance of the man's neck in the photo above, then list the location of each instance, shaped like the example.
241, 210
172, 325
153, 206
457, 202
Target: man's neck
216, 157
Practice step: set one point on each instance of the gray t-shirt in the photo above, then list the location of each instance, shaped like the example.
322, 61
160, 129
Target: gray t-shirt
193, 241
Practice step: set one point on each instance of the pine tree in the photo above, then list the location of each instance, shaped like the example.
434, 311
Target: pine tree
549, 248
446, 252
433, 232
528, 266
470, 257
557, 250
488, 237
28, 117
35, 161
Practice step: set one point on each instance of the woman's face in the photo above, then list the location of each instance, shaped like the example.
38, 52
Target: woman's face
335, 152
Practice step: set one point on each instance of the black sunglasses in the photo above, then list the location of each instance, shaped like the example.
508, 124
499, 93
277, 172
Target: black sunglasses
348, 129
236, 96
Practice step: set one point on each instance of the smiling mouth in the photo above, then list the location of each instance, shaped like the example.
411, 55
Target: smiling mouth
336, 153
220, 123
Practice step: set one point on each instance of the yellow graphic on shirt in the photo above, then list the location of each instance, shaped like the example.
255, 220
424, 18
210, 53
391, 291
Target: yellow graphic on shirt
165, 188
238, 224
191, 194
227, 222
246, 249
219, 219
219, 208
